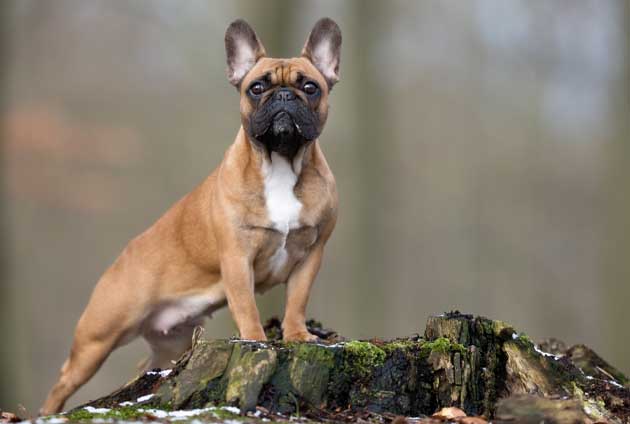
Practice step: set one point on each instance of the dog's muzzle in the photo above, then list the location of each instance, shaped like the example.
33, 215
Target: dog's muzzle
283, 125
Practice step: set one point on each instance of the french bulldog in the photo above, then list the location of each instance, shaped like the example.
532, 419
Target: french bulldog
260, 219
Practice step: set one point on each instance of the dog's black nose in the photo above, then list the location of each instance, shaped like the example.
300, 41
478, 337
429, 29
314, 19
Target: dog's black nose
284, 95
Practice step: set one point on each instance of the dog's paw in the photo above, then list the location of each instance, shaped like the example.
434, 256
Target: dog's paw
300, 336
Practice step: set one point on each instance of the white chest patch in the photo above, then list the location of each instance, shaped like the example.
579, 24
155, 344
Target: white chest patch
283, 208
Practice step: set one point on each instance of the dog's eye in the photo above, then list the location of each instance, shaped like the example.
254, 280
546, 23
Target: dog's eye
257, 88
310, 88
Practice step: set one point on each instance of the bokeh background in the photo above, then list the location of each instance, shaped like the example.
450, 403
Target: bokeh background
481, 148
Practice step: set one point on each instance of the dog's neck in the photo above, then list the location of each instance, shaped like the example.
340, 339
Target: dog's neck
263, 156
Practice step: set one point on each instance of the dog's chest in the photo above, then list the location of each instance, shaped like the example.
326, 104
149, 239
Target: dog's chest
283, 207
289, 241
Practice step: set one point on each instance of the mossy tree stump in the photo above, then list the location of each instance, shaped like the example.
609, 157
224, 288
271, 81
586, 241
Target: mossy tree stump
463, 361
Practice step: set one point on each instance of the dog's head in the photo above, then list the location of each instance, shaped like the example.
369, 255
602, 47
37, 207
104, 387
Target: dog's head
284, 102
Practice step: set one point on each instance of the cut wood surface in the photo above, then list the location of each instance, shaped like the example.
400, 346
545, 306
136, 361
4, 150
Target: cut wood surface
482, 367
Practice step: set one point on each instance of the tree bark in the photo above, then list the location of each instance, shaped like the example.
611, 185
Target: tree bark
464, 361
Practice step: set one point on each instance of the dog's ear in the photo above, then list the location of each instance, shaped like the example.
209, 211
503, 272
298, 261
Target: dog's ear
243, 49
323, 49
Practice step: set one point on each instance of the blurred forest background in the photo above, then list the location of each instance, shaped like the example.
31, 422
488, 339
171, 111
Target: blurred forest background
481, 148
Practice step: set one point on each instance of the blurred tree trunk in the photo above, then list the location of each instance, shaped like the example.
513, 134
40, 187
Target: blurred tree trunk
617, 265
5, 307
370, 19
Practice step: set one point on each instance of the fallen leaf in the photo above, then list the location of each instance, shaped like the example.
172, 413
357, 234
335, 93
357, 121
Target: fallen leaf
9, 417
449, 413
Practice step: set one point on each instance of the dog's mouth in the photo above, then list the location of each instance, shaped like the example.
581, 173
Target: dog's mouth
283, 125
282, 134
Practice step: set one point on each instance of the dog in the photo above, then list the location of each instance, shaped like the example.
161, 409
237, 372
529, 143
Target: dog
260, 219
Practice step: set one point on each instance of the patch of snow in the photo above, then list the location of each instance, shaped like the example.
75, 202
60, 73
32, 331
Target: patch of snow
182, 415
158, 413
51, 420
232, 409
163, 373
258, 342
339, 344
186, 414
547, 354
143, 398
93, 410
613, 382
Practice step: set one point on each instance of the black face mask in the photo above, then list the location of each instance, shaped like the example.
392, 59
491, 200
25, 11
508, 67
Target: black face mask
284, 124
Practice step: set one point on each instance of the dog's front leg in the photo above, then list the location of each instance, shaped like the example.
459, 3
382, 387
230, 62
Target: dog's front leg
238, 279
298, 291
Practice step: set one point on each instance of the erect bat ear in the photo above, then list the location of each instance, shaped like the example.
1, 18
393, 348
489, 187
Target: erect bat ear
323, 49
243, 49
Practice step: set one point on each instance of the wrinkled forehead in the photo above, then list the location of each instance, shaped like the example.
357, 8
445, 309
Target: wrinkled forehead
284, 71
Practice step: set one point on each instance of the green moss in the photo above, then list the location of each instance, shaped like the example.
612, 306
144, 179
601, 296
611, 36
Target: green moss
79, 415
363, 357
224, 414
500, 327
315, 353
290, 345
404, 345
120, 413
594, 408
443, 345
137, 412
525, 338
309, 372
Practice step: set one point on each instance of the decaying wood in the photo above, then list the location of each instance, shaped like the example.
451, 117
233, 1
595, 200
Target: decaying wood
481, 366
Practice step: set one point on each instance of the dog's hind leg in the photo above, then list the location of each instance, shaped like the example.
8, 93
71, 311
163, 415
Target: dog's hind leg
107, 322
85, 359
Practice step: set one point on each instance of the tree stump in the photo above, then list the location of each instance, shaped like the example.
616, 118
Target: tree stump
481, 366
